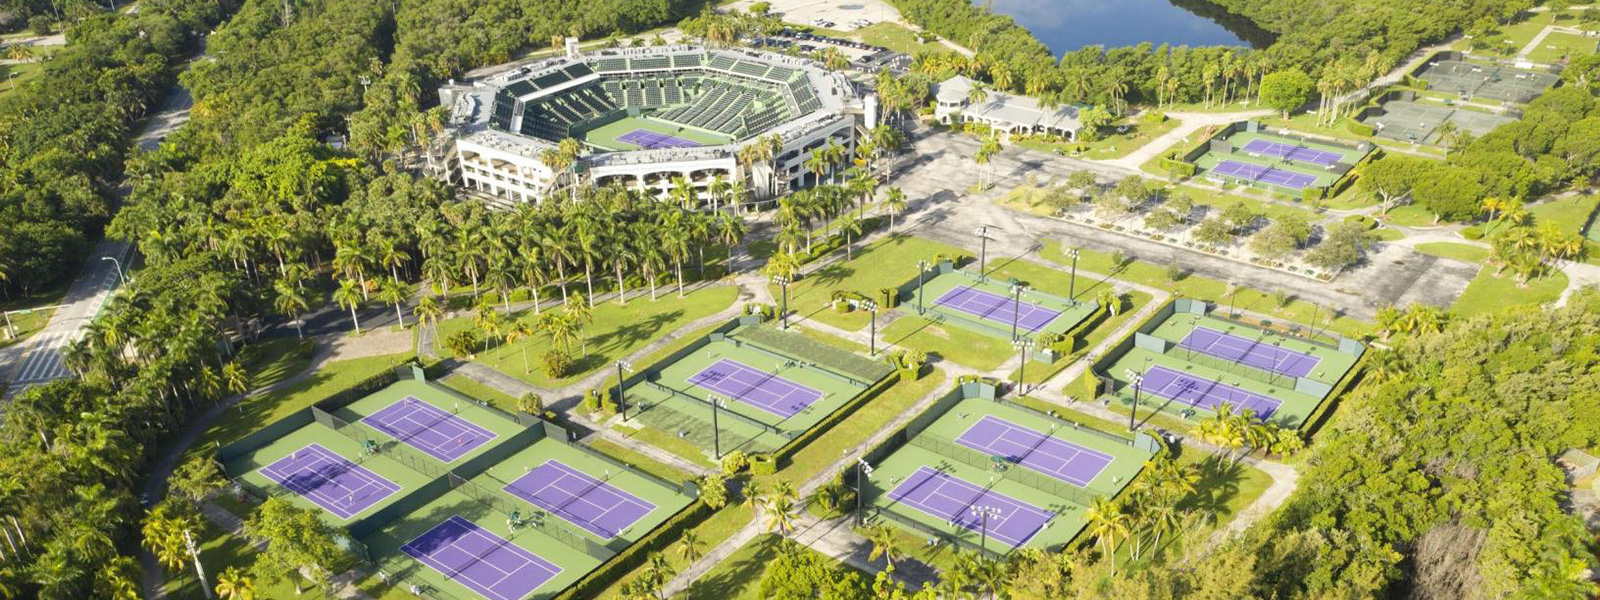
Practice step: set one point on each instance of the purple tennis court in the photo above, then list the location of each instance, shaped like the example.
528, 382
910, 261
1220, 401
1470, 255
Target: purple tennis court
755, 387
949, 498
1204, 393
429, 428
996, 308
651, 140
1251, 352
1051, 456
331, 481
484, 562
1264, 174
596, 506
1292, 152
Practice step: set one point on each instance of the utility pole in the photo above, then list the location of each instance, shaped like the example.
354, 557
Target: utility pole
922, 270
984, 512
783, 311
983, 248
872, 345
863, 470
1022, 344
716, 431
1072, 284
1138, 382
622, 398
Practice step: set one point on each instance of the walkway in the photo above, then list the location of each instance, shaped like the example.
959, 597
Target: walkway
1188, 123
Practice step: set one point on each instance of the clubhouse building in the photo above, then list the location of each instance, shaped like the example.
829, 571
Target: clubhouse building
1001, 111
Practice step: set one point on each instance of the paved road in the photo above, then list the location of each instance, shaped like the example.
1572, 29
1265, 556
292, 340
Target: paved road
38, 360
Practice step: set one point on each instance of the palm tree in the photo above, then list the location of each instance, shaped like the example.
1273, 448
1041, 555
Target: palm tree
290, 301
849, 226
1107, 522
894, 201
689, 545
882, 539
234, 378
427, 311
730, 231
234, 584
168, 533
349, 295
780, 515
394, 292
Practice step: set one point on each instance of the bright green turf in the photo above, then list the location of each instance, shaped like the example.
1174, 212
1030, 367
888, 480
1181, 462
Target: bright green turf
1461, 252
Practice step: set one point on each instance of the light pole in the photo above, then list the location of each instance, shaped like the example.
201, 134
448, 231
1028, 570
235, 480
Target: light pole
716, 431
1022, 344
922, 270
863, 470
983, 247
984, 512
1072, 284
622, 397
1138, 382
118, 264
1016, 305
872, 340
783, 311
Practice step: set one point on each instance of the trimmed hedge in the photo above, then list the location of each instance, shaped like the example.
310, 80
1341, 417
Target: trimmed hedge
1361, 129
780, 457
1179, 168
1472, 233
1368, 222
631, 557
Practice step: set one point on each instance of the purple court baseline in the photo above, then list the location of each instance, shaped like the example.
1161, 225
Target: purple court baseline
651, 140
329, 480
1267, 357
1292, 152
1204, 393
755, 387
429, 428
1264, 174
951, 499
482, 561
596, 506
996, 308
1032, 449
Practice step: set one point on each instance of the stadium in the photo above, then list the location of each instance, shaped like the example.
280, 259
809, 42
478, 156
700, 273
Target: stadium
649, 119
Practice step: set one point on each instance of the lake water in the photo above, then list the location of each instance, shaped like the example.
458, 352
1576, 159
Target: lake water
1067, 25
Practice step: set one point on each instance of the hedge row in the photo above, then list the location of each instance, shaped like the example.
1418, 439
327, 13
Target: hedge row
836, 241
781, 456
634, 555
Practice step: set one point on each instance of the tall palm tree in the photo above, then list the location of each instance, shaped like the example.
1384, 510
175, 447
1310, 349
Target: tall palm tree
689, 545
427, 311
234, 584
350, 295
290, 302
882, 539
894, 201
394, 292
1107, 522
849, 226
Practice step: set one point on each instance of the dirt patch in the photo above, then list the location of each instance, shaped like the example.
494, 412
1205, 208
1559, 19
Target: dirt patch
375, 342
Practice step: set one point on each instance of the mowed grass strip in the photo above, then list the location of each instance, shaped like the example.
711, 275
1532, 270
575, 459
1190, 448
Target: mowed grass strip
616, 331
885, 263
256, 412
1204, 288
1489, 292
1452, 250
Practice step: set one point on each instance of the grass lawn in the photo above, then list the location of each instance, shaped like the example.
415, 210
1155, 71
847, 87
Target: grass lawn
713, 531
887, 262
1568, 214
739, 576
473, 389
275, 361
1204, 288
896, 37
1561, 45
1388, 234
666, 441
1489, 292
1116, 145
949, 341
639, 461
1461, 252
1410, 215
616, 330
25, 324
255, 412
1220, 200
849, 433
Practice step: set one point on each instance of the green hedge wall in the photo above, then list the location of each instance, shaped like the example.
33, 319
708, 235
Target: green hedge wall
630, 558
1361, 129
780, 457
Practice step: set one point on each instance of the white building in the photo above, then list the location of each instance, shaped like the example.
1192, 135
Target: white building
727, 100
1001, 111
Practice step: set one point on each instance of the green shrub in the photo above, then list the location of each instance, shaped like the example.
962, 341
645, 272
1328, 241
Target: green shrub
763, 464
41, 25
1361, 129
462, 343
557, 363
1472, 233
734, 462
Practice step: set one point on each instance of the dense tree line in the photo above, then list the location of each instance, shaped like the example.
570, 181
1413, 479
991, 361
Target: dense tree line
1341, 45
66, 131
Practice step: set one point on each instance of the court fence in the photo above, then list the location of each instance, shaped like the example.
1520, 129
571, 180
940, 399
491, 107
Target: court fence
394, 449
856, 367
543, 521
721, 410
1013, 471
1139, 440
797, 361
1229, 367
